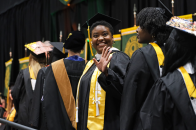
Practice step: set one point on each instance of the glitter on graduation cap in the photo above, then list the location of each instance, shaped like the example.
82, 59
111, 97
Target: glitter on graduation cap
99, 17
167, 13
39, 47
183, 25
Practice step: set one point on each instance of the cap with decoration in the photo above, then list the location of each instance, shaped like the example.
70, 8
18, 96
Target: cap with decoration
166, 12
75, 41
95, 18
38, 47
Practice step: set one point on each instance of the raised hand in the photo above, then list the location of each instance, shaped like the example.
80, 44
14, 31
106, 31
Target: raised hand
105, 59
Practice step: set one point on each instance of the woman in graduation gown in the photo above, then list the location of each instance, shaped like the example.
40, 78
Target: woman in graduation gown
99, 92
146, 63
22, 92
171, 103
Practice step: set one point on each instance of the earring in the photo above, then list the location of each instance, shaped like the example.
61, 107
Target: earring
153, 36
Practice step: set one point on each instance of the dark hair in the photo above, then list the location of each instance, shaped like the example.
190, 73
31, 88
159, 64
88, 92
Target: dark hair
153, 20
104, 23
76, 50
179, 52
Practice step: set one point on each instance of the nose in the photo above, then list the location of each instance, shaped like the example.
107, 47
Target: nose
100, 38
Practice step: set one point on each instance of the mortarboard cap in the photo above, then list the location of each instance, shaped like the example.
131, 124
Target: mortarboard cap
58, 47
167, 13
38, 48
100, 17
75, 41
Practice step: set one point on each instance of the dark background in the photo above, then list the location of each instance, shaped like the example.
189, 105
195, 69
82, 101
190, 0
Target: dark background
25, 21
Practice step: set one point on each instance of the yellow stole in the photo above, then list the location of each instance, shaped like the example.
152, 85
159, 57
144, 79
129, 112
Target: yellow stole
159, 53
96, 107
65, 89
188, 82
32, 76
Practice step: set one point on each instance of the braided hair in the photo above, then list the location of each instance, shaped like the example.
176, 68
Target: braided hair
152, 19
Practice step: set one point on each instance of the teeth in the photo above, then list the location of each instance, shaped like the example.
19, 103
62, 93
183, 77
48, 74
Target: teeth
101, 44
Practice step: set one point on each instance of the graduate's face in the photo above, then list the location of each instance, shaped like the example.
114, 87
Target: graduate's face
101, 37
144, 36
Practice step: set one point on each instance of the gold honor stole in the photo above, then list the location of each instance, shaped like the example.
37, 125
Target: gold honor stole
32, 76
96, 108
159, 53
65, 89
188, 82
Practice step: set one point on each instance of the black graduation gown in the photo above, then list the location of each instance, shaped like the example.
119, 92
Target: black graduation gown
168, 106
53, 106
142, 73
38, 119
22, 94
112, 85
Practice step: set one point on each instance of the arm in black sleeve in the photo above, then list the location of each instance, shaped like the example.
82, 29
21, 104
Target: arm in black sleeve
114, 82
16, 91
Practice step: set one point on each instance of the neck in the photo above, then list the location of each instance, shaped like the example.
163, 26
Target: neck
71, 53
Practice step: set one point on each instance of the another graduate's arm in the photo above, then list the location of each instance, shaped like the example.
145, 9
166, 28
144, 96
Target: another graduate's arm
158, 108
16, 91
113, 82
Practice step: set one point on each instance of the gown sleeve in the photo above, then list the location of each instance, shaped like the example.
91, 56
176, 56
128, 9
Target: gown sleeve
16, 91
113, 83
36, 102
157, 110
137, 83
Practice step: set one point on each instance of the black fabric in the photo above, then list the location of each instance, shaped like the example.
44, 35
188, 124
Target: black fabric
53, 106
112, 85
168, 106
32, 20
22, 94
142, 73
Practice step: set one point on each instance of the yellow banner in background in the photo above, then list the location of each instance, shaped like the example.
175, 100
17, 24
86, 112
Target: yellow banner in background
24, 62
8, 66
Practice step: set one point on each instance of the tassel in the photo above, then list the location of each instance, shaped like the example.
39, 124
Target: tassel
63, 50
90, 40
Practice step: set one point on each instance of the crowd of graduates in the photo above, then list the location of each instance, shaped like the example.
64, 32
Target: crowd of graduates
152, 90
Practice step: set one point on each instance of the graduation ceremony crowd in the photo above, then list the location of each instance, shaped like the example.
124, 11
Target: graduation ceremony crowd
152, 90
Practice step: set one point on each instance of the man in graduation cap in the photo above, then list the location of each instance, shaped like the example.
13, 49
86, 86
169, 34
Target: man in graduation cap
22, 92
60, 85
99, 91
37, 119
171, 103
146, 63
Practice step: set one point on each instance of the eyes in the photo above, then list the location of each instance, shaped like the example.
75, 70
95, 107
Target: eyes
104, 35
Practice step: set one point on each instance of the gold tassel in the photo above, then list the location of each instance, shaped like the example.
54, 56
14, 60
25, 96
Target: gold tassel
90, 40
63, 49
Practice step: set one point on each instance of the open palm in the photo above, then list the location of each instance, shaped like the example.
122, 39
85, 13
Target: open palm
105, 59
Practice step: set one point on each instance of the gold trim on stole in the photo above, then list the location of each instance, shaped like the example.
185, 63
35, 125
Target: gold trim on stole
65, 89
188, 82
159, 53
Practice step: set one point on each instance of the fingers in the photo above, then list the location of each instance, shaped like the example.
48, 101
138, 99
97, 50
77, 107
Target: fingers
109, 59
95, 61
103, 51
108, 54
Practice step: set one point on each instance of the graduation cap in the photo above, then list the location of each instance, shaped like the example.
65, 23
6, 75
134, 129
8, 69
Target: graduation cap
58, 47
38, 48
75, 41
184, 32
99, 17
167, 13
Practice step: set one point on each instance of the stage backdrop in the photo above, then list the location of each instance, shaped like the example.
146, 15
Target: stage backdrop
8, 65
129, 41
117, 41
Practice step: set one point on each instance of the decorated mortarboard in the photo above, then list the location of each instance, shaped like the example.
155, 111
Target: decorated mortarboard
58, 46
166, 12
75, 40
95, 18
39, 47
182, 25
